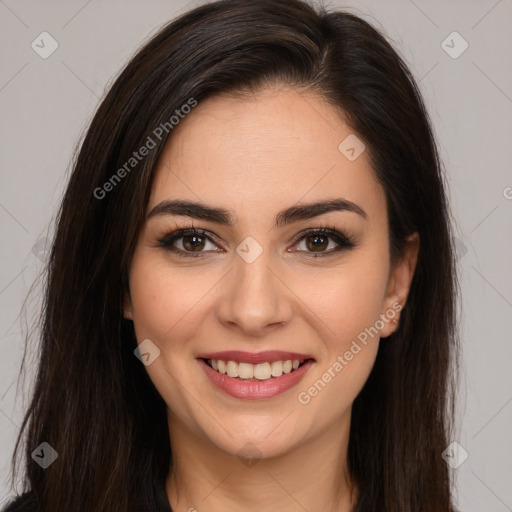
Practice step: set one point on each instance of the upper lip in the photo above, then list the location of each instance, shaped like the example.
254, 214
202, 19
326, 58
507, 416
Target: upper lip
254, 357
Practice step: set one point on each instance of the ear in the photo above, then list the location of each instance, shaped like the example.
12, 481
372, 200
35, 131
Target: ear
399, 284
127, 307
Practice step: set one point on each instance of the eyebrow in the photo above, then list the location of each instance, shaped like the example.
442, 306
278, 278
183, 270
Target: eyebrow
224, 217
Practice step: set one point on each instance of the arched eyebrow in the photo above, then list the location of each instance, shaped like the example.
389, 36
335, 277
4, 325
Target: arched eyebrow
201, 211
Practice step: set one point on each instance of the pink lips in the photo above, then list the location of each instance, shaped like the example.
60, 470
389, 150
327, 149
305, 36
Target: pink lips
254, 389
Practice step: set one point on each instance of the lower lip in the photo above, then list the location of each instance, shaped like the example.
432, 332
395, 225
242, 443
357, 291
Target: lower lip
256, 390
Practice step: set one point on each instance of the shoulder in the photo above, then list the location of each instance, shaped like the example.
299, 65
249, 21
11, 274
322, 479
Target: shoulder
23, 503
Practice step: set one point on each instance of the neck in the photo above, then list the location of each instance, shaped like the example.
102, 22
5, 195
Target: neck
311, 476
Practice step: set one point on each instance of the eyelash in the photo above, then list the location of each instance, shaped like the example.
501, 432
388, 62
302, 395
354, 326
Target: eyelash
343, 241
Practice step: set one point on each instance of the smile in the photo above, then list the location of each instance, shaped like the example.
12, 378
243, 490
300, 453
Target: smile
260, 371
257, 376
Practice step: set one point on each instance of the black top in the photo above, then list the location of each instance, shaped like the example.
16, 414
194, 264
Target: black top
23, 503
27, 503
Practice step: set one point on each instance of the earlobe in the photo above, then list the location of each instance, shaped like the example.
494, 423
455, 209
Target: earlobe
399, 284
127, 307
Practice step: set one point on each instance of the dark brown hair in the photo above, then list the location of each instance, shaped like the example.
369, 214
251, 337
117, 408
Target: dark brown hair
93, 401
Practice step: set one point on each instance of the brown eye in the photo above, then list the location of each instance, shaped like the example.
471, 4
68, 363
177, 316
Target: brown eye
318, 240
193, 242
187, 242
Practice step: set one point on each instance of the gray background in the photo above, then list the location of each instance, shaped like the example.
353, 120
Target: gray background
47, 103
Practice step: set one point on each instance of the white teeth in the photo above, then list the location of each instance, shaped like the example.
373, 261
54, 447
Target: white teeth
261, 371
276, 368
232, 369
245, 370
287, 366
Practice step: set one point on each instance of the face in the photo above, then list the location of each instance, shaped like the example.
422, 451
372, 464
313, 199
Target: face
268, 286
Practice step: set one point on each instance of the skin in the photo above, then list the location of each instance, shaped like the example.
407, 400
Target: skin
254, 157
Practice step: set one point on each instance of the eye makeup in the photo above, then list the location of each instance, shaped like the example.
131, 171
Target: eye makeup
193, 240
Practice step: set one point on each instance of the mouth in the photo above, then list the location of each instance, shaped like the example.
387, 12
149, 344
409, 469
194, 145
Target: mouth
268, 375
255, 372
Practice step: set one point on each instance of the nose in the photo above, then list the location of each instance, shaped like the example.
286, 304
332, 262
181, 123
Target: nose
254, 298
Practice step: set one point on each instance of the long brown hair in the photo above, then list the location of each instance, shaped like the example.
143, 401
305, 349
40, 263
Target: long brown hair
93, 401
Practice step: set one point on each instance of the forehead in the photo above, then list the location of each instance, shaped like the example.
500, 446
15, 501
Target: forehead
275, 147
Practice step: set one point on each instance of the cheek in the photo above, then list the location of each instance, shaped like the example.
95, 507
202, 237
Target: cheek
348, 302
154, 302
168, 306
348, 305
164, 301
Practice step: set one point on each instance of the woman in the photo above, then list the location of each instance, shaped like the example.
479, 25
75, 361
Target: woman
250, 301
